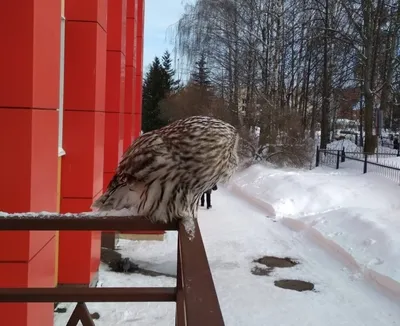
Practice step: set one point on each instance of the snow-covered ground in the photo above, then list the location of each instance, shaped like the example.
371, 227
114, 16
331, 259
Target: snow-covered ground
343, 229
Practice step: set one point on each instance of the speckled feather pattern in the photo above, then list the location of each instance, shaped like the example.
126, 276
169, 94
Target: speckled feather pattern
164, 172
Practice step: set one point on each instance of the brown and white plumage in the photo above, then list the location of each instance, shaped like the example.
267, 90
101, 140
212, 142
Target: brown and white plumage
164, 172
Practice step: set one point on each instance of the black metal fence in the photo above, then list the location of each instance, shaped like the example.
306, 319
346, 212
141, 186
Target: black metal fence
376, 163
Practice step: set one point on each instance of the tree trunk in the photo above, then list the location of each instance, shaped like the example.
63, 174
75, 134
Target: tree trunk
326, 83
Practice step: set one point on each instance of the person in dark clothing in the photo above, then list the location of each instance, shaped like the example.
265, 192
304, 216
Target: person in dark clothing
396, 143
207, 194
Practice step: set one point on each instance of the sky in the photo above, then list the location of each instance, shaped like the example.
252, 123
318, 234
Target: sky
160, 16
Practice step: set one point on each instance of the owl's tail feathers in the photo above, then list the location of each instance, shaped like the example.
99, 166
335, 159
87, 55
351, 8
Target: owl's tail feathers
118, 198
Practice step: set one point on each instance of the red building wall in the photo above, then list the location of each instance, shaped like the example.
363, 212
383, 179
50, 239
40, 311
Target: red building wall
29, 93
83, 142
102, 91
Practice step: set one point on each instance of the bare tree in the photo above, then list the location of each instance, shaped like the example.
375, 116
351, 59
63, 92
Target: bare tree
276, 66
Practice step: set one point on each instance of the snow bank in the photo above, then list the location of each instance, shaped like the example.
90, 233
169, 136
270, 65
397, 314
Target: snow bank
358, 212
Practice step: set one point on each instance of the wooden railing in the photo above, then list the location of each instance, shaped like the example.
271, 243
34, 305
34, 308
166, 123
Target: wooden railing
195, 296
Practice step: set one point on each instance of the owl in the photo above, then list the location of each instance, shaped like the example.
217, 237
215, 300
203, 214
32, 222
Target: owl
164, 172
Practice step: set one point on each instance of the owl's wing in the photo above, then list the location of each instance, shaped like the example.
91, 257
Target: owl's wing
139, 162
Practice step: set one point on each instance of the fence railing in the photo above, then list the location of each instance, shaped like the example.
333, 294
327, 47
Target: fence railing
195, 296
369, 162
328, 157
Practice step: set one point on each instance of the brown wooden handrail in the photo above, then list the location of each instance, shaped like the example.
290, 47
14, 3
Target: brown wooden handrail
71, 294
195, 296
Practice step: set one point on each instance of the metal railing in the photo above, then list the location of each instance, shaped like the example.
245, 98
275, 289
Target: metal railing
328, 157
368, 163
195, 296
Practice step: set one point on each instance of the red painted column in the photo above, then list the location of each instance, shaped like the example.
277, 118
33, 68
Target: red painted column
115, 87
135, 48
84, 106
137, 119
130, 71
29, 90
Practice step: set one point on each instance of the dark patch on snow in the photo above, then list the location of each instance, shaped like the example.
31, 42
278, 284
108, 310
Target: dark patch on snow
295, 285
259, 271
272, 262
119, 264
95, 315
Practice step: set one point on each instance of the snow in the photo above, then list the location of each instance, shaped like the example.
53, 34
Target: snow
341, 226
44, 214
348, 145
358, 212
61, 151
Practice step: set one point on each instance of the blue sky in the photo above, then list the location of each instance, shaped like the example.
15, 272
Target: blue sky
160, 15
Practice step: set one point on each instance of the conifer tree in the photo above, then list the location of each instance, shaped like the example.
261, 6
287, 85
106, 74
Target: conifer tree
171, 85
201, 73
154, 90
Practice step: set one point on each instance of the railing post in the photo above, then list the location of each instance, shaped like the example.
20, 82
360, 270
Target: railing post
365, 163
317, 158
398, 151
343, 155
337, 159
180, 314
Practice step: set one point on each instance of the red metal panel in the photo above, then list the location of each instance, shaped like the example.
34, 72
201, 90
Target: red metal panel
116, 20
39, 272
115, 83
127, 131
42, 267
83, 164
46, 53
98, 165
87, 11
16, 90
32, 73
121, 134
130, 72
84, 76
115, 96
74, 265
95, 251
78, 164
88, 157
101, 62
111, 153
34, 133
130, 25
44, 160
115, 86
134, 51
75, 247
84, 116
130, 9
15, 133
13, 274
